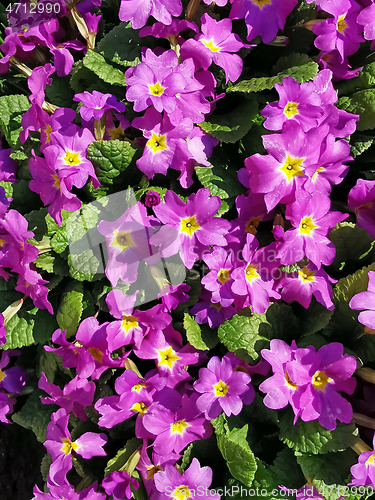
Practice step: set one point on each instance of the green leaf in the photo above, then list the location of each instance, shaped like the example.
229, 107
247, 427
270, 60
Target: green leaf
351, 243
286, 470
12, 108
241, 332
292, 60
314, 318
311, 437
98, 65
59, 92
70, 310
112, 158
19, 333
8, 188
24, 200
301, 74
232, 126
45, 261
83, 266
122, 456
48, 363
59, 241
236, 452
193, 333
332, 468
35, 415
360, 143
121, 45
363, 104
364, 80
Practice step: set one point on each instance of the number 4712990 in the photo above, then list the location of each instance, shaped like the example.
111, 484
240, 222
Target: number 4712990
34, 8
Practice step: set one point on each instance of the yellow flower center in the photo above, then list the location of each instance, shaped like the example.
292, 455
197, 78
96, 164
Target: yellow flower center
156, 89
48, 131
123, 240
2, 242
306, 275
168, 357
307, 225
152, 471
291, 109
341, 24
261, 3
289, 382
2, 375
223, 276
129, 322
57, 181
252, 224
68, 446
292, 167
318, 170
140, 407
251, 272
181, 492
216, 305
320, 380
210, 45
189, 225
71, 158
138, 387
179, 426
221, 389
370, 460
157, 142
116, 133
96, 354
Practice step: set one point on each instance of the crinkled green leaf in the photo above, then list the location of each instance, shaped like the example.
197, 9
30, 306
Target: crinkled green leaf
122, 456
35, 415
351, 243
193, 333
24, 200
112, 158
241, 332
83, 266
311, 437
59, 93
301, 74
59, 241
19, 333
332, 468
45, 261
12, 107
97, 64
8, 188
70, 310
360, 143
291, 61
285, 469
314, 318
48, 363
232, 126
361, 103
364, 80
236, 452
122, 45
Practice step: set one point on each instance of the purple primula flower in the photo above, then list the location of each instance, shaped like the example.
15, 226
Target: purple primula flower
117, 485
96, 104
128, 242
51, 187
331, 168
139, 11
15, 44
163, 138
342, 32
280, 388
221, 388
152, 199
296, 102
173, 431
76, 395
366, 18
255, 278
215, 44
167, 85
60, 446
170, 483
12, 379
69, 152
241, 366
31, 284
363, 473
8, 167
361, 199
262, 17
67, 491
171, 295
340, 69
160, 30
6, 406
208, 311
320, 375
218, 280
134, 325
309, 281
365, 301
280, 173
312, 219
189, 227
